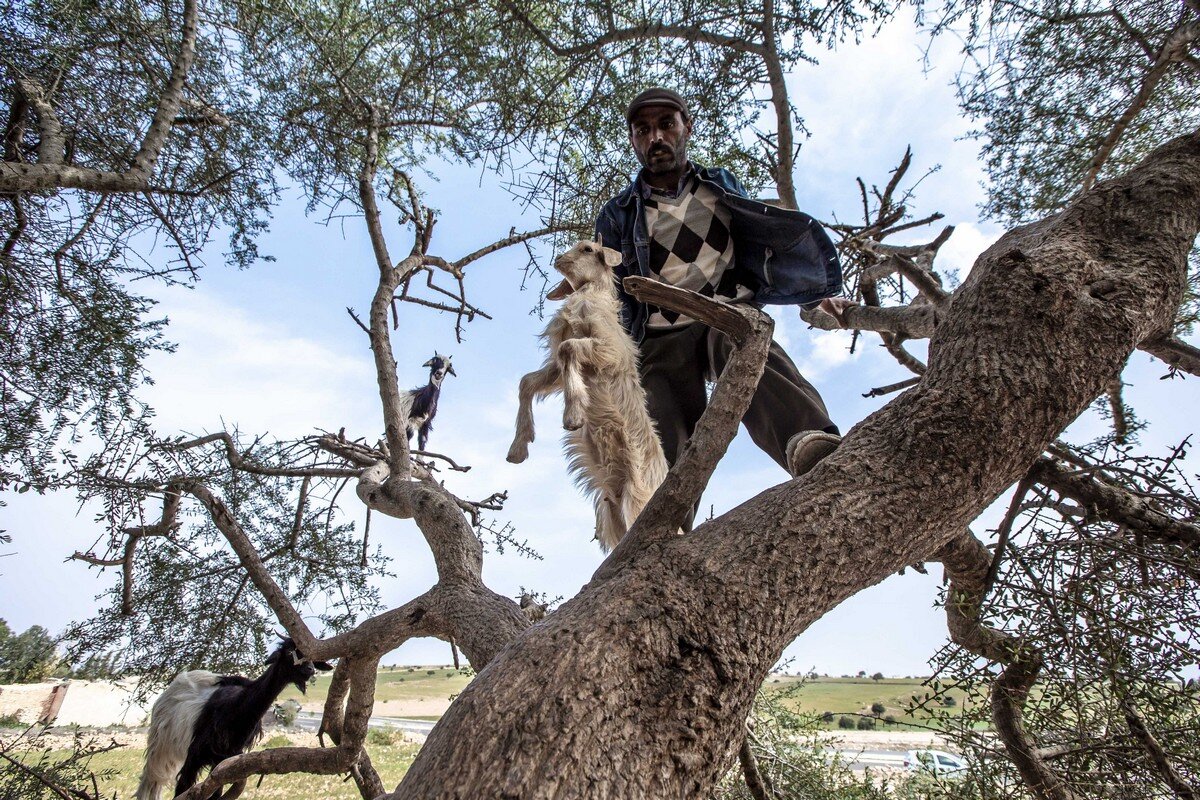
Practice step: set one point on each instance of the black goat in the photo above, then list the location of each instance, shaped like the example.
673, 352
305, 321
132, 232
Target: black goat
422, 402
203, 718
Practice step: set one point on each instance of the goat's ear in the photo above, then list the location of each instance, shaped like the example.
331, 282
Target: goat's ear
324, 666
612, 258
428, 363
560, 292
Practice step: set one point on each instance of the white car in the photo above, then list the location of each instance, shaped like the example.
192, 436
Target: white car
936, 762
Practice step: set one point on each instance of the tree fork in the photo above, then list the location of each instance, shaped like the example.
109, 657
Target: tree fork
638, 686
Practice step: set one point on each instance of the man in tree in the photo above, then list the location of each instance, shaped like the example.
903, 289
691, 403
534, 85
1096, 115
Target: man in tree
696, 228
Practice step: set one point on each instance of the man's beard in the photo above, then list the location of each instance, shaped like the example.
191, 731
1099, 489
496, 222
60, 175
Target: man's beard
676, 158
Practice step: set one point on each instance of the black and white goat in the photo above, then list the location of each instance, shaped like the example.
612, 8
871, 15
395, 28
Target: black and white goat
422, 402
203, 718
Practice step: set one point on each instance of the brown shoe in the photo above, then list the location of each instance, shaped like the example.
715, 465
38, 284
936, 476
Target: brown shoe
806, 448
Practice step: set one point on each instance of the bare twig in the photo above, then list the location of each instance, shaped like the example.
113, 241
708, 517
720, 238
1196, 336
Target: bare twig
967, 566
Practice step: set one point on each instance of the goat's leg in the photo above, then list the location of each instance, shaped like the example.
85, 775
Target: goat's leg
535, 385
610, 521
632, 503
573, 355
187, 775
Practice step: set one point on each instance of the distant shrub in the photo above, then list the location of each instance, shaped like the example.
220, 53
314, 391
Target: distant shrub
827, 716
865, 724
278, 740
878, 708
287, 711
431, 672
11, 721
949, 702
889, 719
382, 737
878, 676
846, 722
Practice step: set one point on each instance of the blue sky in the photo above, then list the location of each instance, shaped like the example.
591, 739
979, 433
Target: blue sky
272, 349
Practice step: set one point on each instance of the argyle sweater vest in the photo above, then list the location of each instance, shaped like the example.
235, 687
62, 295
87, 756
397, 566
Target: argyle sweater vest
690, 247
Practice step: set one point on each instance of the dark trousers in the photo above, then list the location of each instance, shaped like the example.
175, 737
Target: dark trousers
675, 367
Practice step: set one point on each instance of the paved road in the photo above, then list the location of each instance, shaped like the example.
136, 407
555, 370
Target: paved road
310, 721
858, 759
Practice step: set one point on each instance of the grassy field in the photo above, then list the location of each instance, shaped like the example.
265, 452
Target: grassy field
856, 696
819, 695
397, 684
119, 771
414, 686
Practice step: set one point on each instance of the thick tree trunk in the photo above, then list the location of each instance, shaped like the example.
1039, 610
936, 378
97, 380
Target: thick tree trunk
639, 686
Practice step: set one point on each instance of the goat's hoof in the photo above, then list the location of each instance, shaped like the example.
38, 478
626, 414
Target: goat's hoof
517, 454
572, 422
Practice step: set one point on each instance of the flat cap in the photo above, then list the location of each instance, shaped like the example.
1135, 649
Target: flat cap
657, 96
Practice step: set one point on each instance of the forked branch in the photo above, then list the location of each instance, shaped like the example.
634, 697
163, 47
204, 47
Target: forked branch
750, 331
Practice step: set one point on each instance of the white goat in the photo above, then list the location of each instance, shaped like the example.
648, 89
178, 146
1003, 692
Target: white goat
612, 448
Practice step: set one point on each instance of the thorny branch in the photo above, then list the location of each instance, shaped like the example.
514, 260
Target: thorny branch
51, 173
164, 527
967, 564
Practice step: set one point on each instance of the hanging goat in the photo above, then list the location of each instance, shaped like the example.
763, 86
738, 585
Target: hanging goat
612, 448
203, 718
422, 401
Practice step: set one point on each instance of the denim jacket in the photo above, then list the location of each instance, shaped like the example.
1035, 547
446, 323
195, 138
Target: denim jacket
783, 256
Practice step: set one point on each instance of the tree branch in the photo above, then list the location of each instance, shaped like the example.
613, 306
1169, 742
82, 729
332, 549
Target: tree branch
1137, 726
169, 101
750, 331
20, 177
1174, 48
1176, 352
252, 563
1115, 504
164, 527
395, 418
967, 565
51, 144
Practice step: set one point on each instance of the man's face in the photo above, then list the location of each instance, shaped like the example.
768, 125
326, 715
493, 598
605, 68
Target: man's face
659, 137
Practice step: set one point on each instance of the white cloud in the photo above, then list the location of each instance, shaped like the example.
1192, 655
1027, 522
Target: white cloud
262, 374
959, 252
825, 352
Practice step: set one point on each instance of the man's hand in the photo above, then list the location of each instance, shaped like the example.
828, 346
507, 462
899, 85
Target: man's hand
836, 308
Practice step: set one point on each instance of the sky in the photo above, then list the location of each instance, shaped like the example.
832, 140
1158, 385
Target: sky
272, 349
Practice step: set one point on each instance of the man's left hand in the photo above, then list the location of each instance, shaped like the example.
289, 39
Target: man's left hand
836, 308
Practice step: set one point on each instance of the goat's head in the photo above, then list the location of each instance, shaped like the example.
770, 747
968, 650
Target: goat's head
296, 668
439, 365
586, 262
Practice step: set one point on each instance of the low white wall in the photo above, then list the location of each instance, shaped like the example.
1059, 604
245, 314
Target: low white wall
90, 704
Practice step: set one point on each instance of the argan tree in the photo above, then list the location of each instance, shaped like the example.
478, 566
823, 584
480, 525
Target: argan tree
640, 686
